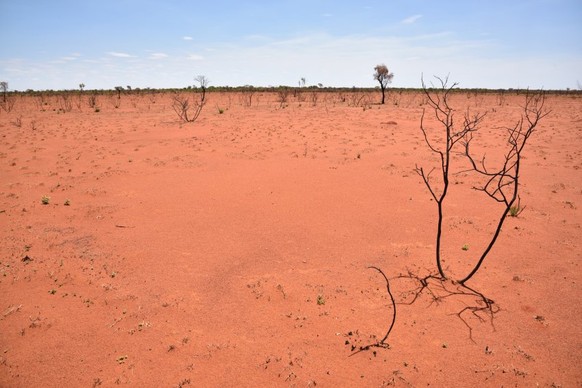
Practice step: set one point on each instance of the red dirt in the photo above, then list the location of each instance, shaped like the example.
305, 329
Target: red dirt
197, 253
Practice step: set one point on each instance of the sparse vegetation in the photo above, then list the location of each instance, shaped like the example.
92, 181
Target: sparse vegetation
65, 103
283, 95
181, 103
257, 190
247, 94
92, 100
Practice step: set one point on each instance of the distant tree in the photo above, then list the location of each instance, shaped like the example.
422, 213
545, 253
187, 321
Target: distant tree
302, 82
4, 89
81, 86
119, 89
7, 104
384, 77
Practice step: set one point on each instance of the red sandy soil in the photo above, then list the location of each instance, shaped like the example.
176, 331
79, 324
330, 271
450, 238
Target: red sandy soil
233, 251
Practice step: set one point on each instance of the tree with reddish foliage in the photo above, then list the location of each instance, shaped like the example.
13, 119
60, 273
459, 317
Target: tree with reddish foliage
384, 77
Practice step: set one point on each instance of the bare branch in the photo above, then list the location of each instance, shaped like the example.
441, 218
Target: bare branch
503, 184
181, 104
382, 343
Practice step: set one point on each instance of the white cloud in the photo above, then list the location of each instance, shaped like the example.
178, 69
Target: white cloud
158, 56
332, 60
119, 55
187, 38
412, 19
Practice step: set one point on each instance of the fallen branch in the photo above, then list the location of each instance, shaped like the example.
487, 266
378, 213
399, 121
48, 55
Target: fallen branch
382, 343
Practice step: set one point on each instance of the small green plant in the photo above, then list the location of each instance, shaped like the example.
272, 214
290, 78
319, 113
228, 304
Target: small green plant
516, 210
52, 292
67, 202
320, 300
465, 247
45, 200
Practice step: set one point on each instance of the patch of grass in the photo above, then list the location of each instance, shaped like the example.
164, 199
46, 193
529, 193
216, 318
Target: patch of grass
515, 210
320, 300
45, 200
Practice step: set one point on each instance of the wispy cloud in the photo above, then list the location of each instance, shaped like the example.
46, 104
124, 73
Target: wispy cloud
264, 60
187, 38
412, 19
158, 56
119, 55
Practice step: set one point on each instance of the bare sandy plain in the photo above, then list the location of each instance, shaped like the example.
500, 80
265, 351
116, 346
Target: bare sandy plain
233, 251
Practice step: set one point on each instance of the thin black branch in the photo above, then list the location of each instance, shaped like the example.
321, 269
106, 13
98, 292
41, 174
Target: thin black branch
503, 184
383, 340
382, 343
439, 289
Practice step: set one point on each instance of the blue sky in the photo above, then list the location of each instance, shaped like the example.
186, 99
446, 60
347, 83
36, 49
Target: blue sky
59, 44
